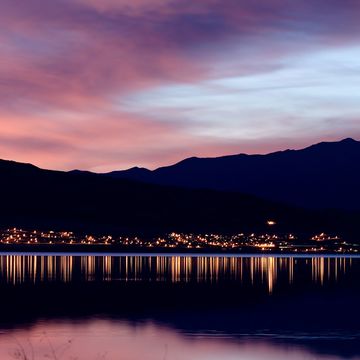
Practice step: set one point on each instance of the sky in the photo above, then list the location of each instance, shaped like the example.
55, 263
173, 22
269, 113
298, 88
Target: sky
110, 84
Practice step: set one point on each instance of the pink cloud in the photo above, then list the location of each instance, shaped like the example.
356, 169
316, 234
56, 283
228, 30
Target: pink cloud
66, 65
81, 53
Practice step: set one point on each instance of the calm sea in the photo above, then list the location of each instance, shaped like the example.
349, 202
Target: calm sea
167, 307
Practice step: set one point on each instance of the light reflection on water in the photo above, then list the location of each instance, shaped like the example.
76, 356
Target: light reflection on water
197, 307
266, 270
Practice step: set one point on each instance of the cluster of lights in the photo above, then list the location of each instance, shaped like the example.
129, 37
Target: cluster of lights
259, 242
324, 237
21, 236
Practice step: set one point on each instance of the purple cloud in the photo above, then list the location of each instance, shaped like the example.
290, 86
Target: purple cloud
67, 65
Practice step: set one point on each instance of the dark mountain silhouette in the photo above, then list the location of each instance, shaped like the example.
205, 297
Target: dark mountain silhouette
36, 198
325, 175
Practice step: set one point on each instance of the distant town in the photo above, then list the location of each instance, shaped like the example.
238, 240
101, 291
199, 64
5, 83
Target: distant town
268, 242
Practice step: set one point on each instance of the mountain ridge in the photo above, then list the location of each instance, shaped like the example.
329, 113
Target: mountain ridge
325, 175
86, 201
320, 144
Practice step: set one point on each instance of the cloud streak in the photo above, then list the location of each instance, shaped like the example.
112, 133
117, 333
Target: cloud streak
69, 67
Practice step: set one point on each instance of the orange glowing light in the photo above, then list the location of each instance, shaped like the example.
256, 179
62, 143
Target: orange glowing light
271, 222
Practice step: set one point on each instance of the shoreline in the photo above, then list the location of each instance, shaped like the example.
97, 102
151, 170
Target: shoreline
113, 250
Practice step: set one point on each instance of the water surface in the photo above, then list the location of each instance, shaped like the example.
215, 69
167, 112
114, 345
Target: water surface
179, 307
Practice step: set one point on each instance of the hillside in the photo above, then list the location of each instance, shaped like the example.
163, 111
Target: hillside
322, 176
88, 202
